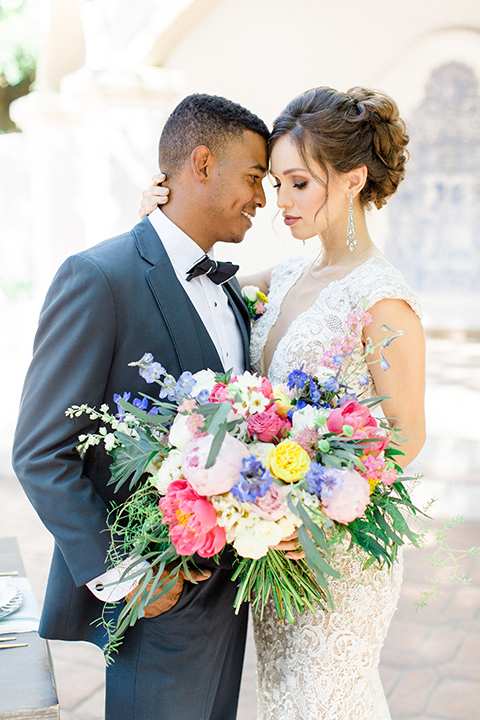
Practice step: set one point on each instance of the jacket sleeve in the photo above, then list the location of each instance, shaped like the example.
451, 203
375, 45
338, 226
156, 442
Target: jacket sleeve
73, 351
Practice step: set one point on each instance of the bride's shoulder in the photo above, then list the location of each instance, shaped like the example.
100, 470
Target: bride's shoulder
288, 267
377, 279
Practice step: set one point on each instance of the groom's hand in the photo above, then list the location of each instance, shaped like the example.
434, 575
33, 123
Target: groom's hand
160, 605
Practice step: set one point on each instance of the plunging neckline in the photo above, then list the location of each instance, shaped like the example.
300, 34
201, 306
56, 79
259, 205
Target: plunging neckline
308, 310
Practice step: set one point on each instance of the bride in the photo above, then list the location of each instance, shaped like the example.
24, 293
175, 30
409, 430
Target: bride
333, 155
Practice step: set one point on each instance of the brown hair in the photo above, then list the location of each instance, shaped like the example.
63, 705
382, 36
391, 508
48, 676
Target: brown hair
343, 131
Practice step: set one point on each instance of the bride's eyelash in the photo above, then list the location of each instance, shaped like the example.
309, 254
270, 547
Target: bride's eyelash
300, 185
277, 185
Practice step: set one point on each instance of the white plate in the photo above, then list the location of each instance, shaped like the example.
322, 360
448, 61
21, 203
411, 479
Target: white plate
12, 605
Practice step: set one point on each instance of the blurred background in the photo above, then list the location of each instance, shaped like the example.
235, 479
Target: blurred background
85, 87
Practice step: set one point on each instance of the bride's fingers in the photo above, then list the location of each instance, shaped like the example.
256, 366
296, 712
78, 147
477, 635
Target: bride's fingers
152, 198
158, 179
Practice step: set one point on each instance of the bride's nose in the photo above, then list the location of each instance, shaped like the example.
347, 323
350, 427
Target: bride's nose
283, 199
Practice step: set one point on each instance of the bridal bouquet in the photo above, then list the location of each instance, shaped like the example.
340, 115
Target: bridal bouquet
216, 460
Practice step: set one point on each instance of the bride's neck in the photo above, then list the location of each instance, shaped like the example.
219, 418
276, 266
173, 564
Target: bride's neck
336, 251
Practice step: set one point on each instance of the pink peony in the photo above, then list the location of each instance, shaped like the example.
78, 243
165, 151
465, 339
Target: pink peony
192, 520
225, 471
267, 424
272, 505
361, 420
348, 499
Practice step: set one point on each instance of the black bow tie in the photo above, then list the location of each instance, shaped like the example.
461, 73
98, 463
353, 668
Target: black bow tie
218, 272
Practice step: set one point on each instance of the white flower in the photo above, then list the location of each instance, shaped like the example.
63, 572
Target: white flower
205, 380
305, 418
180, 435
165, 473
250, 402
250, 292
249, 545
269, 532
109, 441
261, 451
247, 380
322, 373
288, 524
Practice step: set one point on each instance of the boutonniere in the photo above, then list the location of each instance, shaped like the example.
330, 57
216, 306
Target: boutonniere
255, 300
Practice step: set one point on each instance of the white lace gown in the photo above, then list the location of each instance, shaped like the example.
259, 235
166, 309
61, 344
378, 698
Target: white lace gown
325, 666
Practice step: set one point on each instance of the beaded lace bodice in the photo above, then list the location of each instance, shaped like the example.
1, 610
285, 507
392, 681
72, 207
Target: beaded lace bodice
325, 666
314, 330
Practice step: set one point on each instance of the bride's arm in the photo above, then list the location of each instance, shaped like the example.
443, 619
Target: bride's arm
261, 280
404, 381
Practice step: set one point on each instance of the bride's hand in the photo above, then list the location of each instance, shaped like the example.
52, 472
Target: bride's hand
153, 197
291, 547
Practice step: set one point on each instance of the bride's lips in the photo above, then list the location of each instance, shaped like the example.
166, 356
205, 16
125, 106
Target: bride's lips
290, 219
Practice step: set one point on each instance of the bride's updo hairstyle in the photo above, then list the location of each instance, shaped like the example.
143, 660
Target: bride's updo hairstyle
343, 131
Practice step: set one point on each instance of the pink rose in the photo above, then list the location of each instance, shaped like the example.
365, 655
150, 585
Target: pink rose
192, 520
272, 505
259, 307
220, 394
361, 420
225, 471
267, 424
346, 499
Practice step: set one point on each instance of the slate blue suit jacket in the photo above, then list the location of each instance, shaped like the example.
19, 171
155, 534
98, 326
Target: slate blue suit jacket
106, 307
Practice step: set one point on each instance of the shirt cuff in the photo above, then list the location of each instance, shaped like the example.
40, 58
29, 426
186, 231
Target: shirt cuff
117, 582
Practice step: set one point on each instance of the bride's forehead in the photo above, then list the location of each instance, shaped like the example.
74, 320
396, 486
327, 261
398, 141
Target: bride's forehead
285, 155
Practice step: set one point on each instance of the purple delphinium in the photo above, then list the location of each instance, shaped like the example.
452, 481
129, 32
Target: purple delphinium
116, 398
203, 397
323, 480
152, 372
331, 384
297, 378
254, 481
185, 384
140, 404
168, 389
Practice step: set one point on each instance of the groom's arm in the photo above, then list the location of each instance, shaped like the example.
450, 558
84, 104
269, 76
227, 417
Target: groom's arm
73, 350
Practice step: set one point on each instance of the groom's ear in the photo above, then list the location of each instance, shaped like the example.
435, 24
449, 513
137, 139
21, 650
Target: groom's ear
201, 160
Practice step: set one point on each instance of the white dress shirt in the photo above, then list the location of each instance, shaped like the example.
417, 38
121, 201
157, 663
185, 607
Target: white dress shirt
209, 300
211, 303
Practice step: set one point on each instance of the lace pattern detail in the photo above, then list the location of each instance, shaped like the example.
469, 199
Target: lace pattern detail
314, 330
325, 666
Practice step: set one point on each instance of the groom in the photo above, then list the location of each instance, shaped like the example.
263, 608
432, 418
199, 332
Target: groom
106, 307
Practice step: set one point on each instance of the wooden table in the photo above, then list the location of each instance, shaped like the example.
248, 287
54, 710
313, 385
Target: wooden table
27, 686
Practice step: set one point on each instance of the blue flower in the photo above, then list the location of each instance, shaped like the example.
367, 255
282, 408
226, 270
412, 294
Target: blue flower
315, 393
348, 397
297, 378
363, 379
299, 406
203, 397
254, 481
185, 384
140, 404
152, 372
153, 410
323, 480
338, 359
168, 388
331, 384
126, 397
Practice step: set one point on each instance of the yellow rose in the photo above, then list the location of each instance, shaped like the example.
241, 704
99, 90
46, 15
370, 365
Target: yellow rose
282, 401
288, 461
262, 297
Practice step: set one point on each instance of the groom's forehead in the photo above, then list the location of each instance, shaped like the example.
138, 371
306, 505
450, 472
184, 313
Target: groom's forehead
249, 152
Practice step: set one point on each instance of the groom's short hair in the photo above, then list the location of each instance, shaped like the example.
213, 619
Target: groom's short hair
208, 120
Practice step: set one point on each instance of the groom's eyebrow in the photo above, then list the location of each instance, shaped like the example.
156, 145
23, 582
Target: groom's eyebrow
259, 167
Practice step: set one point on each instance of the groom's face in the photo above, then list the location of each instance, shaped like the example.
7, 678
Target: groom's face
236, 190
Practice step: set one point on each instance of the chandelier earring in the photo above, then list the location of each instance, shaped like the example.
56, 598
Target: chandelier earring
351, 234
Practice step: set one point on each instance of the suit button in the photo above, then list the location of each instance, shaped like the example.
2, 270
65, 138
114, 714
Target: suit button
214, 304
